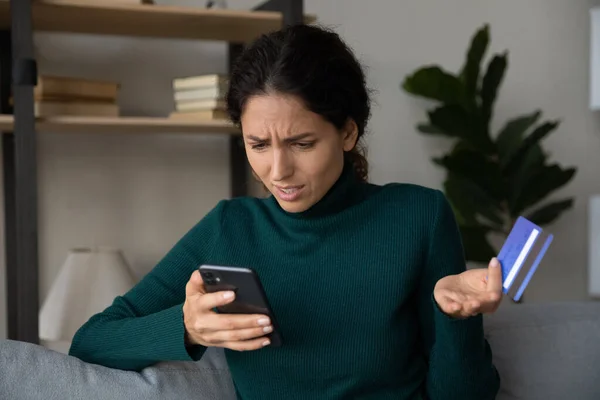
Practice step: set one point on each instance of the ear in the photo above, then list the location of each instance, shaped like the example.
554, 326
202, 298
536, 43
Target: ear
350, 135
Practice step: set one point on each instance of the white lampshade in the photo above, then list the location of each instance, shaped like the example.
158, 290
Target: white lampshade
87, 283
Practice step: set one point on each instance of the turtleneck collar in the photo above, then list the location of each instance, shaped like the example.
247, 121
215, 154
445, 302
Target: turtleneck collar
344, 192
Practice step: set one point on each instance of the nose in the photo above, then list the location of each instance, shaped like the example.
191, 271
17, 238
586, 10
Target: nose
283, 165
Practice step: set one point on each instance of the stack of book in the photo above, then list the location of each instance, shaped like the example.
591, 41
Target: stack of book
200, 97
54, 95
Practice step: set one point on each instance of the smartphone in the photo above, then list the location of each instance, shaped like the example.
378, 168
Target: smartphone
250, 297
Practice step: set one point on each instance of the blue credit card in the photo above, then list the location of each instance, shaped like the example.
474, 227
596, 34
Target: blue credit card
520, 256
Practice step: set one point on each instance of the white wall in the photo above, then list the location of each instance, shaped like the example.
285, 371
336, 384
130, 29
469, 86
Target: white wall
143, 192
548, 44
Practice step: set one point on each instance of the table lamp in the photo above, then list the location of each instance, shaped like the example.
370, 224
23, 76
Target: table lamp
88, 282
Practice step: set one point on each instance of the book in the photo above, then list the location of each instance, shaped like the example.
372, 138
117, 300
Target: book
207, 93
53, 108
64, 99
205, 115
200, 81
57, 87
200, 105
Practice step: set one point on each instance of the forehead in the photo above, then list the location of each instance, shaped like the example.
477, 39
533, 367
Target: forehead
277, 114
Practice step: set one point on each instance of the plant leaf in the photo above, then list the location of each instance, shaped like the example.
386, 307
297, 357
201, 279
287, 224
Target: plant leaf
464, 215
533, 139
462, 145
533, 162
475, 243
511, 136
454, 121
546, 181
477, 168
429, 129
489, 87
470, 71
470, 200
548, 213
433, 83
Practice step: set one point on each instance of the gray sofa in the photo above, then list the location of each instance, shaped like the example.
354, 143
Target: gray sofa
542, 351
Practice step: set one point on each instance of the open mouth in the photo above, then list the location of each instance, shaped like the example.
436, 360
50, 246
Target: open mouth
289, 193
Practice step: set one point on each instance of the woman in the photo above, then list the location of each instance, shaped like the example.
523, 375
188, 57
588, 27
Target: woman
367, 282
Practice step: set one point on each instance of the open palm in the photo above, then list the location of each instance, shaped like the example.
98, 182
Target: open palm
471, 292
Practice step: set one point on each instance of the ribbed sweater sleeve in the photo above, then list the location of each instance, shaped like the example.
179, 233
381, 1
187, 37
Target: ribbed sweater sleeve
145, 325
459, 357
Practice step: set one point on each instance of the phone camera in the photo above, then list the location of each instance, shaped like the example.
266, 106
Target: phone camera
209, 278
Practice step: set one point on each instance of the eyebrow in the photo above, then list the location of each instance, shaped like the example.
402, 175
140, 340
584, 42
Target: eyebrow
290, 139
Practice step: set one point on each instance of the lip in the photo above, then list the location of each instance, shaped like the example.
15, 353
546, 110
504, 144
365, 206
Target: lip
293, 196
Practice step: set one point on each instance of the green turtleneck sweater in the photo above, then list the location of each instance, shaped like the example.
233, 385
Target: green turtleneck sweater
351, 284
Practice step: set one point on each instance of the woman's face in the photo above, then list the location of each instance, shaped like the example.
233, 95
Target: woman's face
297, 154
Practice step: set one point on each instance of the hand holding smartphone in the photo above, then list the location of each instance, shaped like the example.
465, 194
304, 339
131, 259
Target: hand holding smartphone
250, 297
236, 331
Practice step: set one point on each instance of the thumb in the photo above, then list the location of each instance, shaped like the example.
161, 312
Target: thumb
494, 283
195, 285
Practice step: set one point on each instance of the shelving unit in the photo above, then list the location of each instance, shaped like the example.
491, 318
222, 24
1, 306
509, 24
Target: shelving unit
81, 16
77, 124
18, 72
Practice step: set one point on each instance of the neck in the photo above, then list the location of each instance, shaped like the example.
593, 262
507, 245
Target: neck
346, 191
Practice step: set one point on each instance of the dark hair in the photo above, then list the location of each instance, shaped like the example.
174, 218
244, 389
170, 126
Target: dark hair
314, 64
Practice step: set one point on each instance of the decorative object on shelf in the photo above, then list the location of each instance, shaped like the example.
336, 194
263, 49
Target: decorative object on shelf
200, 97
54, 95
87, 283
490, 181
594, 246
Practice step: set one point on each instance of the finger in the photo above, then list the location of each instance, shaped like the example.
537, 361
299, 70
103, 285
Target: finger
460, 304
228, 322
195, 285
455, 296
448, 305
211, 300
494, 284
472, 307
454, 307
247, 345
237, 335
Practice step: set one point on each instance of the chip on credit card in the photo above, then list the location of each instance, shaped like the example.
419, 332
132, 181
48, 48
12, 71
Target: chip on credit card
521, 255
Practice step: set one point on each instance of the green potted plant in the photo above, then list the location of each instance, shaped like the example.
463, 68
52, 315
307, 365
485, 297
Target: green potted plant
491, 177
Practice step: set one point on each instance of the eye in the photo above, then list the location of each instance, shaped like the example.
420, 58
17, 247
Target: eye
304, 145
258, 146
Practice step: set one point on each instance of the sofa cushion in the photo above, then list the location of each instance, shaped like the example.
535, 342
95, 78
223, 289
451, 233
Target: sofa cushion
542, 351
546, 351
32, 372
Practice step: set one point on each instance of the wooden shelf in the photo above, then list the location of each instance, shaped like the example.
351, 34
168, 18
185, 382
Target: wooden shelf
77, 124
144, 20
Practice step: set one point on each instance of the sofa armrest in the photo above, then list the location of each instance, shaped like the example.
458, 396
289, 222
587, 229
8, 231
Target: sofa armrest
33, 372
546, 351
